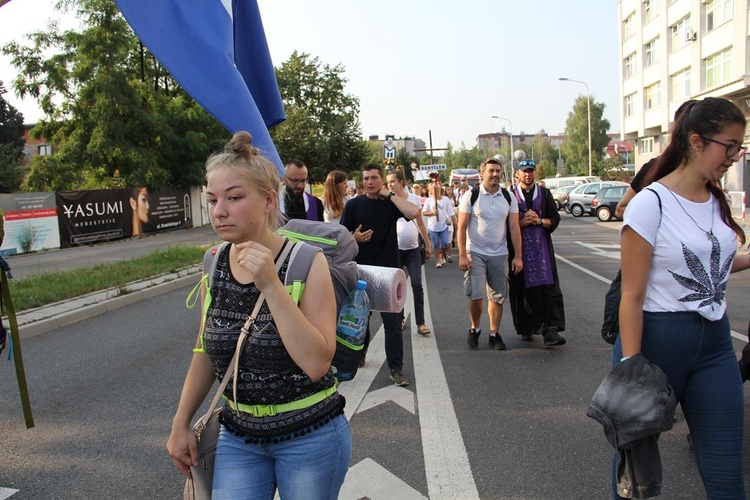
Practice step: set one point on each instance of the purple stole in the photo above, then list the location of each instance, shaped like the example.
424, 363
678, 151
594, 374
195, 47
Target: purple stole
312, 206
537, 265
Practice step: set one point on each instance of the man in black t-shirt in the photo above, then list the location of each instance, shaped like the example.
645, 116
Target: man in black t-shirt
372, 220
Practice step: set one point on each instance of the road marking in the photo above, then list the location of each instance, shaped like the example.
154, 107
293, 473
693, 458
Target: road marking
402, 397
446, 461
370, 480
355, 390
611, 251
7, 493
583, 269
737, 335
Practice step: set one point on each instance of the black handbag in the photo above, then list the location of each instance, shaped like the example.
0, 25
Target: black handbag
422, 245
422, 249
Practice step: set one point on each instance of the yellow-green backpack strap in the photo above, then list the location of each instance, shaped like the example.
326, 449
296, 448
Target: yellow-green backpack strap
210, 260
300, 262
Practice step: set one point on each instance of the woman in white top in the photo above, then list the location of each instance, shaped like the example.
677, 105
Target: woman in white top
439, 212
334, 197
408, 247
679, 244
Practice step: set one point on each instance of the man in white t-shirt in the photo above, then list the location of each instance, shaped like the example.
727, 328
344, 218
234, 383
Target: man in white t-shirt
483, 251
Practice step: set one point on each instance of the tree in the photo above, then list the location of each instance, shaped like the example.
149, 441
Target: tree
575, 149
322, 126
11, 145
109, 107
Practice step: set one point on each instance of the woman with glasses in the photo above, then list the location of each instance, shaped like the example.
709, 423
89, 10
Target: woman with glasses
678, 246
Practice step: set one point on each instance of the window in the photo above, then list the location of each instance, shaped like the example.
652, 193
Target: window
629, 70
647, 145
718, 12
629, 105
651, 53
649, 10
680, 32
652, 95
681, 85
628, 26
718, 68
44, 149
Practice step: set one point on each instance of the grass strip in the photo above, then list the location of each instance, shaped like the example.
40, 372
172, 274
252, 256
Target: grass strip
38, 290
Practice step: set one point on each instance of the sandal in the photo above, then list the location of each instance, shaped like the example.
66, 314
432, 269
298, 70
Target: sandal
423, 330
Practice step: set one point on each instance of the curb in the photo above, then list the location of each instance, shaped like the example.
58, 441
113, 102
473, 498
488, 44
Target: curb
44, 319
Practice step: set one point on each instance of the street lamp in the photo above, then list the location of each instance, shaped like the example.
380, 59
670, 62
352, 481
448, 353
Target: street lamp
588, 105
510, 145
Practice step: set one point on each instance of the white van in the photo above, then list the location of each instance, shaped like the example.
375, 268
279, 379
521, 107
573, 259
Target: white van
558, 182
470, 175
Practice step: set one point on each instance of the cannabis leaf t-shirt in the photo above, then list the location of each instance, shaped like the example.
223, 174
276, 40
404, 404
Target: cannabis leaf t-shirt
691, 259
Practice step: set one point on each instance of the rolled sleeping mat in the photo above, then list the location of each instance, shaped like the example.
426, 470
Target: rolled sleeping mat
386, 287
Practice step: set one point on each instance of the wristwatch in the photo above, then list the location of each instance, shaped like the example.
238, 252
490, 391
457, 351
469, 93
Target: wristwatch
391, 194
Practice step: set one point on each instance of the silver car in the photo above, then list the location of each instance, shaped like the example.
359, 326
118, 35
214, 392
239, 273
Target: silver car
579, 200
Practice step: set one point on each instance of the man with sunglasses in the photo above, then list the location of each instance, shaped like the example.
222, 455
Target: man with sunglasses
295, 202
536, 300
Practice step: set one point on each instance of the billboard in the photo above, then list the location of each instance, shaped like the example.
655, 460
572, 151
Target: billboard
88, 217
30, 222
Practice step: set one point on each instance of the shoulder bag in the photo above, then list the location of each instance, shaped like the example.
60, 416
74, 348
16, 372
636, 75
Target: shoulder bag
206, 429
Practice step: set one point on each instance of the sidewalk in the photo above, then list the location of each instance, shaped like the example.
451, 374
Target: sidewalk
43, 319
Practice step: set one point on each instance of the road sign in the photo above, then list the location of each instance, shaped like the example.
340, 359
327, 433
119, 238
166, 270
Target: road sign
437, 166
389, 150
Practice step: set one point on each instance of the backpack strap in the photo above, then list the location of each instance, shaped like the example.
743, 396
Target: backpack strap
300, 262
210, 261
658, 198
475, 194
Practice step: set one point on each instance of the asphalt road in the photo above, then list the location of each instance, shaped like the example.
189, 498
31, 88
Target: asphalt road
473, 423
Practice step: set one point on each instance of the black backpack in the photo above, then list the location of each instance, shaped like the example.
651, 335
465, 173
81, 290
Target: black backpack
611, 324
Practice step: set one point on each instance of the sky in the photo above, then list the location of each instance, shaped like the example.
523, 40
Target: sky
427, 65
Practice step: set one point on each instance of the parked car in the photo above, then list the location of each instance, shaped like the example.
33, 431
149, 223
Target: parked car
558, 182
579, 200
606, 200
561, 196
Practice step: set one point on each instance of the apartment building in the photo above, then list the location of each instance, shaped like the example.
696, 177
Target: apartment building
675, 50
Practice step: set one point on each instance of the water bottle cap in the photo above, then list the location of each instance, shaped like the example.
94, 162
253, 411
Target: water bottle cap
361, 284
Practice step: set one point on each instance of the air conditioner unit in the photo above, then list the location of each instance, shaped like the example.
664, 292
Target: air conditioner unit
691, 35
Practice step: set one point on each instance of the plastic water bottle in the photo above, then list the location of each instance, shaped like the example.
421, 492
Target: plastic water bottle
351, 329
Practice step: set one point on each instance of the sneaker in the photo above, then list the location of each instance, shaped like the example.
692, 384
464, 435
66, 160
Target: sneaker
526, 337
473, 338
450, 260
439, 264
398, 378
496, 342
553, 338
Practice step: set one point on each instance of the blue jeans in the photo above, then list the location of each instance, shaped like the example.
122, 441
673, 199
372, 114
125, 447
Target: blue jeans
698, 358
312, 466
413, 262
439, 239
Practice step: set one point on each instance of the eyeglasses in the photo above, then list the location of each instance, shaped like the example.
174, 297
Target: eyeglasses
732, 149
297, 181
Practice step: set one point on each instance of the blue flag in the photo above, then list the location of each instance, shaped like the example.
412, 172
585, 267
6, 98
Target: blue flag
217, 51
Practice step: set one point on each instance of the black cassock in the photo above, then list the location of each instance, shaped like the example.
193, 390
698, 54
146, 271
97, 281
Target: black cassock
539, 308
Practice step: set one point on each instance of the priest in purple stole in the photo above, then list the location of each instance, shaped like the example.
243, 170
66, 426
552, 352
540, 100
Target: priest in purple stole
536, 300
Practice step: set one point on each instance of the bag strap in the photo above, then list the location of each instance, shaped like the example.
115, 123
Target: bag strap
299, 266
233, 367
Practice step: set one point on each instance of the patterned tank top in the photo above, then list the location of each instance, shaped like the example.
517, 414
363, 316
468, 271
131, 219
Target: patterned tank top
266, 374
